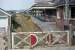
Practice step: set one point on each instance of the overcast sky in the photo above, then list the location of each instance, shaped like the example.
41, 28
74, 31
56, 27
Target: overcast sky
16, 4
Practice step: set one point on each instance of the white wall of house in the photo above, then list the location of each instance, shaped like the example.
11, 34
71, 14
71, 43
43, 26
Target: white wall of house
4, 22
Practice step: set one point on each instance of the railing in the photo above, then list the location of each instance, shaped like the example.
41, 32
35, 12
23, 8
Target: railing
23, 40
69, 21
46, 19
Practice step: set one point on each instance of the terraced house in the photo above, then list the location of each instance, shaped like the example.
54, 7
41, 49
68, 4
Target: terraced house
60, 12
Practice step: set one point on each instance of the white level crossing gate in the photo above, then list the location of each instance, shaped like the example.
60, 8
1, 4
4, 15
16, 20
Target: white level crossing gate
28, 40
24, 40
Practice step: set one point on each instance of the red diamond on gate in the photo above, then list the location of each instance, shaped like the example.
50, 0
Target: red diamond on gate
34, 40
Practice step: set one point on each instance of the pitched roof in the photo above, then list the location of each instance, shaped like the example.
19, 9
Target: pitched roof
55, 3
3, 12
59, 2
44, 4
62, 2
72, 2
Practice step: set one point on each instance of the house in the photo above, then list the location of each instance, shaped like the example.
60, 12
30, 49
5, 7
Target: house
63, 10
71, 11
56, 8
48, 12
4, 16
67, 9
44, 9
5, 23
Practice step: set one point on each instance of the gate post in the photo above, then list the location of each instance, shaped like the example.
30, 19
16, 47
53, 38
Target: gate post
70, 35
9, 33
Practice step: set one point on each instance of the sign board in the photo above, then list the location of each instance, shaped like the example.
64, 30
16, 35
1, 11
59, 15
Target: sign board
34, 40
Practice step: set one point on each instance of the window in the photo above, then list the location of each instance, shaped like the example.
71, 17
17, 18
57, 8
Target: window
73, 12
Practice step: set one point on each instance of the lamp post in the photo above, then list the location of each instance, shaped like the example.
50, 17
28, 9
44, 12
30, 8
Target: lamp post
67, 10
67, 15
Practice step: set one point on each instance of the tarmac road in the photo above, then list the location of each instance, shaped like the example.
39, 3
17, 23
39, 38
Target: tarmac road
50, 48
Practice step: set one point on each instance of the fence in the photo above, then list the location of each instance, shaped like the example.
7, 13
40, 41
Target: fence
23, 40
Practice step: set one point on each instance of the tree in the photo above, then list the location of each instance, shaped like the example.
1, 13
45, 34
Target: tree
14, 24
